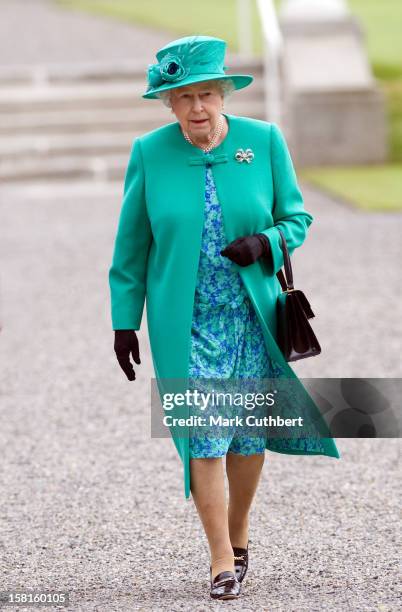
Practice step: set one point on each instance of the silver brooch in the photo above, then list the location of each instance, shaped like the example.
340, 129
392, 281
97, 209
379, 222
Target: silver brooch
244, 155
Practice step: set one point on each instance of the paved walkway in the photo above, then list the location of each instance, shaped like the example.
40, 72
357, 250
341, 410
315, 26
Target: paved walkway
92, 505
40, 31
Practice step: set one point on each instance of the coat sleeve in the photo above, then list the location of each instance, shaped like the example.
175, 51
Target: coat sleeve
288, 210
127, 274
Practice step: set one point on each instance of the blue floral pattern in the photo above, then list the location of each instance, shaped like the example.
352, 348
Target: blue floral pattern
227, 343
226, 336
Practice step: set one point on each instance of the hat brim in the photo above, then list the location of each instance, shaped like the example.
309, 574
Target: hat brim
239, 81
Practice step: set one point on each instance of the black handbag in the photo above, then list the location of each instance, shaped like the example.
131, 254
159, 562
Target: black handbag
296, 338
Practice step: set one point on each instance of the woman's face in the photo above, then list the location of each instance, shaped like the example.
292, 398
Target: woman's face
197, 108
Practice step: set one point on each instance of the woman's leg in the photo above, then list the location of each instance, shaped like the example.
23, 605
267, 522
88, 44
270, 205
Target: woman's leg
208, 492
243, 475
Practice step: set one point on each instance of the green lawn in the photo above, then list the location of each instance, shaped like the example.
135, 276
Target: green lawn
381, 20
372, 188
183, 17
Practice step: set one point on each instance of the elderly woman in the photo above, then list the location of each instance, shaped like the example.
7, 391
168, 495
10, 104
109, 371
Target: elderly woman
198, 238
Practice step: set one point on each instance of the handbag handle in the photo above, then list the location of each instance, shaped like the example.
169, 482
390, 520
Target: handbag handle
286, 280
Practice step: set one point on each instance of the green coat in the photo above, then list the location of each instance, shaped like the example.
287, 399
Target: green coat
158, 241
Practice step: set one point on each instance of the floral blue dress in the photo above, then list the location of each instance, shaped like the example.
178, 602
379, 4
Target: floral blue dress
226, 336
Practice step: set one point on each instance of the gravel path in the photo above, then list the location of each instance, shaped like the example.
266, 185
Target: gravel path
90, 504
90, 495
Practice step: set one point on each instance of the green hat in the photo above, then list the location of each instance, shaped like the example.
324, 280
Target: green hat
191, 59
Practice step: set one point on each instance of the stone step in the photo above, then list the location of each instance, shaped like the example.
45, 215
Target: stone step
46, 97
125, 120
103, 71
79, 121
62, 189
61, 156
59, 123
53, 145
107, 167
87, 96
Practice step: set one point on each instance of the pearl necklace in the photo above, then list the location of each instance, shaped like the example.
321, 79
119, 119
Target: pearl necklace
214, 139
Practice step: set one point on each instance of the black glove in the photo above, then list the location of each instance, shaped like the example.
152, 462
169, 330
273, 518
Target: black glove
245, 251
126, 342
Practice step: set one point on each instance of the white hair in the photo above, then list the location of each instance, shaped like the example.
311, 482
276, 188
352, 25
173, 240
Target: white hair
226, 86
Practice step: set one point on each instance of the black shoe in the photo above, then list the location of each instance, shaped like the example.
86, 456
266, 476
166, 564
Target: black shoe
241, 562
224, 586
